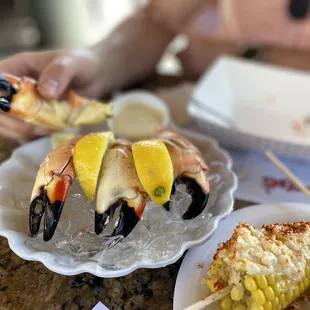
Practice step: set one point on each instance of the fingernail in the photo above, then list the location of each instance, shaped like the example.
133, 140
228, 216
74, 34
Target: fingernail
40, 131
50, 87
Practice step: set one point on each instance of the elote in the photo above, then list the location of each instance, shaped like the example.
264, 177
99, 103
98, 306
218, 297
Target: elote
266, 269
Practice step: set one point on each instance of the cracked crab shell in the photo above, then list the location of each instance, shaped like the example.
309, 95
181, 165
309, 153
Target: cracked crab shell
87, 159
61, 138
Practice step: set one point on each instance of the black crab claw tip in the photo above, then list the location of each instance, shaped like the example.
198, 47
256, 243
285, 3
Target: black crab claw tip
36, 212
5, 100
167, 204
51, 219
100, 220
5, 104
126, 223
199, 199
128, 219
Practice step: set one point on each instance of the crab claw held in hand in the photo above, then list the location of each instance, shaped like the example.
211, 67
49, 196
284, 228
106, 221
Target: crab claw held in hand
54, 178
119, 187
190, 169
19, 97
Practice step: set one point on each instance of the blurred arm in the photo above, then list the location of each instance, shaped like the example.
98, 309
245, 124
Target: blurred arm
133, 49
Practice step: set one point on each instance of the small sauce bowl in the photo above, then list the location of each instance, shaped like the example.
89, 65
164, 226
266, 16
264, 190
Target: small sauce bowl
137, 115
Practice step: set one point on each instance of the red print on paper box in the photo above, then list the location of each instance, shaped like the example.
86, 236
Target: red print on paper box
270, 183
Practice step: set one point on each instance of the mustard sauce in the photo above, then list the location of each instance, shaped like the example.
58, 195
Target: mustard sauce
137, 121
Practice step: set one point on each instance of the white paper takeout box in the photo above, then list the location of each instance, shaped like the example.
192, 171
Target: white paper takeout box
254, 106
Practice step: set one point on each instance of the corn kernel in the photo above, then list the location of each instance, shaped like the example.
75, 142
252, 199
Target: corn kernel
289, 296
276, 290
255, 306
210, 282
282, 286
269, 293
282, 299
305, 282
259, 297
296, 293
237, 292
271, 279
268, 306
301, 287
307, 271
226, 303
239, 307
288, 284
275, 302
250, 284
261, 282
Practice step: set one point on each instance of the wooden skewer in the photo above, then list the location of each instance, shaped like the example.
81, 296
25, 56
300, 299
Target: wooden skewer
297, 182
207, 301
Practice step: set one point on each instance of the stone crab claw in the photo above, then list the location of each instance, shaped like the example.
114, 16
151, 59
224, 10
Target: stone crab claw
189, 168
19, 97
118, 174
119, 186
54, 179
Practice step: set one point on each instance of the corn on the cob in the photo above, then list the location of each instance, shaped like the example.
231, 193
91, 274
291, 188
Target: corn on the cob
267, 269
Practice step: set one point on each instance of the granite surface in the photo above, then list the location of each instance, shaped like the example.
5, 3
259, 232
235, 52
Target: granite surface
29, 285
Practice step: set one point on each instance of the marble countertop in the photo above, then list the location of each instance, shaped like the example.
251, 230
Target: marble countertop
29, 285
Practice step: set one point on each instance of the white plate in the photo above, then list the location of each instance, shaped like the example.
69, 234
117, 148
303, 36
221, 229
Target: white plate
254, 106
189, 288
138, 250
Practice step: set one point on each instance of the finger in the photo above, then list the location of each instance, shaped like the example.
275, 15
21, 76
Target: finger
92, 91
78, 66
26, 64
57, 76
13, 123
14, 135
19, 128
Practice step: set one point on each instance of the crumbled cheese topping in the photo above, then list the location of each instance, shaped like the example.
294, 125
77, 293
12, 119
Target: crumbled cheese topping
281, 249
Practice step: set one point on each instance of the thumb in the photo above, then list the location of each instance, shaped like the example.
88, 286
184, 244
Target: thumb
57, 76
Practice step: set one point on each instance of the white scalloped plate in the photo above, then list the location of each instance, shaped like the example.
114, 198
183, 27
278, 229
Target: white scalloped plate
16, 180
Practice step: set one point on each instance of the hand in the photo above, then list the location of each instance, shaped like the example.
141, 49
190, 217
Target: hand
55, 71
16, 129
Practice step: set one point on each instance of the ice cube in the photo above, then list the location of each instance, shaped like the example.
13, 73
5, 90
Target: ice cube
156, 237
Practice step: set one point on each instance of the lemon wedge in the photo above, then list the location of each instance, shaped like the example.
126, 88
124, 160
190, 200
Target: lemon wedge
87, 159
154, 169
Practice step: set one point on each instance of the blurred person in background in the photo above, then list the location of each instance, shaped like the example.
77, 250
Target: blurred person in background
131, 52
